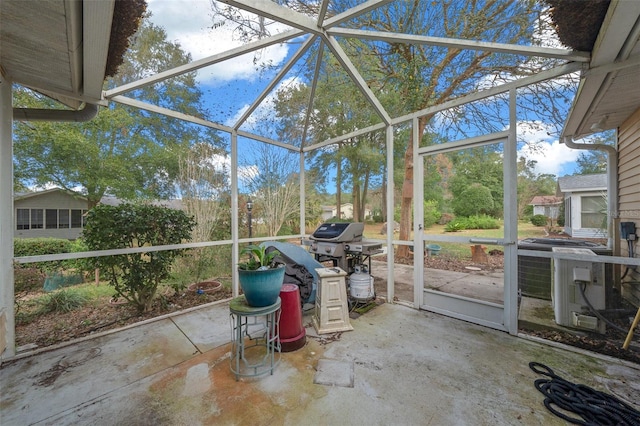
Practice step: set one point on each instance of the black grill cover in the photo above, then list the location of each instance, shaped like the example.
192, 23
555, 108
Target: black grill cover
295, 273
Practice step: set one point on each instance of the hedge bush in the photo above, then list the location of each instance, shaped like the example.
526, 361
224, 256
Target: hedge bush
481, 222
136, 276
539, 220
472, 222
41, 246
474, 200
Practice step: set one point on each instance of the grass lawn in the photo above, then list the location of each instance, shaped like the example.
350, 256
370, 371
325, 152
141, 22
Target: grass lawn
525, 230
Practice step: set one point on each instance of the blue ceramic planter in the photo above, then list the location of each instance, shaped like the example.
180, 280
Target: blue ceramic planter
261, 288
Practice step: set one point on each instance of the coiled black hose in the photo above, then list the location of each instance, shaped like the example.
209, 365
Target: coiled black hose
594, 407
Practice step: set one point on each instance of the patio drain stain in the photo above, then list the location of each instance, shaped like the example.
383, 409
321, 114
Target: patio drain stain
48, 378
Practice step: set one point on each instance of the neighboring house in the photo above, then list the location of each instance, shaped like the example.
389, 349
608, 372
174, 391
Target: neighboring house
55, 213
346, 211
58, 213
585, 205
547, 205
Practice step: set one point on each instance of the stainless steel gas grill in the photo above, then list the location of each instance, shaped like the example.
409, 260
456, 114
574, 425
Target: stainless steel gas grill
342, 244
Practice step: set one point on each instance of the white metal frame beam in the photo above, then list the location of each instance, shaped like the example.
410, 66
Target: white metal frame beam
476, 96
348, 66
312, 95
322, 11
278, 13
355, 11
514, 49
205, 62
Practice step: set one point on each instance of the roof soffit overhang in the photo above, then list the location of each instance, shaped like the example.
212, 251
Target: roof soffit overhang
609, 90
58, 48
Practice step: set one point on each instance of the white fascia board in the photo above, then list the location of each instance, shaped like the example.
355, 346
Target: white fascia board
205, 62
545, 52
618, 24
588, 90
73, 17
97, 19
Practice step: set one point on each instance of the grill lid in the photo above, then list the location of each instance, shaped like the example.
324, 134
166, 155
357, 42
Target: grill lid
339, 232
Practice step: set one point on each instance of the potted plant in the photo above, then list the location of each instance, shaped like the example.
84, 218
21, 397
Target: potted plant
260, 276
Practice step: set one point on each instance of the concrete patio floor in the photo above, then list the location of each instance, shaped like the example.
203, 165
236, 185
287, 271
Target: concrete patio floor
398, 366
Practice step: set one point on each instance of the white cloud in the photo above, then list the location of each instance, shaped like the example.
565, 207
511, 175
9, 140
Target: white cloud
551, 156
190, 23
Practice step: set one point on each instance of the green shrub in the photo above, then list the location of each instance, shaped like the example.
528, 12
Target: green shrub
41, 246
454, 226
560, 220
480, 222
377, 216
136, 276
62, 301
474, 200
539, 220
473, 222
431, 213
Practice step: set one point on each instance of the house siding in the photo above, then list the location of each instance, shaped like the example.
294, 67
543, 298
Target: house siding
629, 192
575, 218
55, 200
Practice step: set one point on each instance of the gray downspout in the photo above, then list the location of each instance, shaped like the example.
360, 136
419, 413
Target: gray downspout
34, 114
612, 182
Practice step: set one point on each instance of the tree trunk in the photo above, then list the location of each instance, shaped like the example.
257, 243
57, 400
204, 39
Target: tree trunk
356, 201
339, 184
363, 195
407, 193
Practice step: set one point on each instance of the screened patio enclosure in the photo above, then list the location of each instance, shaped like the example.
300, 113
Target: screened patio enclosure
329, 41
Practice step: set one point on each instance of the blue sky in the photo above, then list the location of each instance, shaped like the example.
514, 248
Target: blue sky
230, 88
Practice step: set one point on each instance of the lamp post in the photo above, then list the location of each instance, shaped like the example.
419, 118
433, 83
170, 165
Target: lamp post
249, 208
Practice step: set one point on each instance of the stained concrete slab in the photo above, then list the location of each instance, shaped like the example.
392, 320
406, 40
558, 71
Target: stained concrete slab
37, 387
409, 367
331, 372
206, 328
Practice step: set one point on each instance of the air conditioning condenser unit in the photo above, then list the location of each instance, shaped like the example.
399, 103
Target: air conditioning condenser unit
569, 306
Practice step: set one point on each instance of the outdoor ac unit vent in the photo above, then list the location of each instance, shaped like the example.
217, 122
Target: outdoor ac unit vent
584, 321
570, 309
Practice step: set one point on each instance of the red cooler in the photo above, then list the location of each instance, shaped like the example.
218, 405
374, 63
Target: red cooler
292, 333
